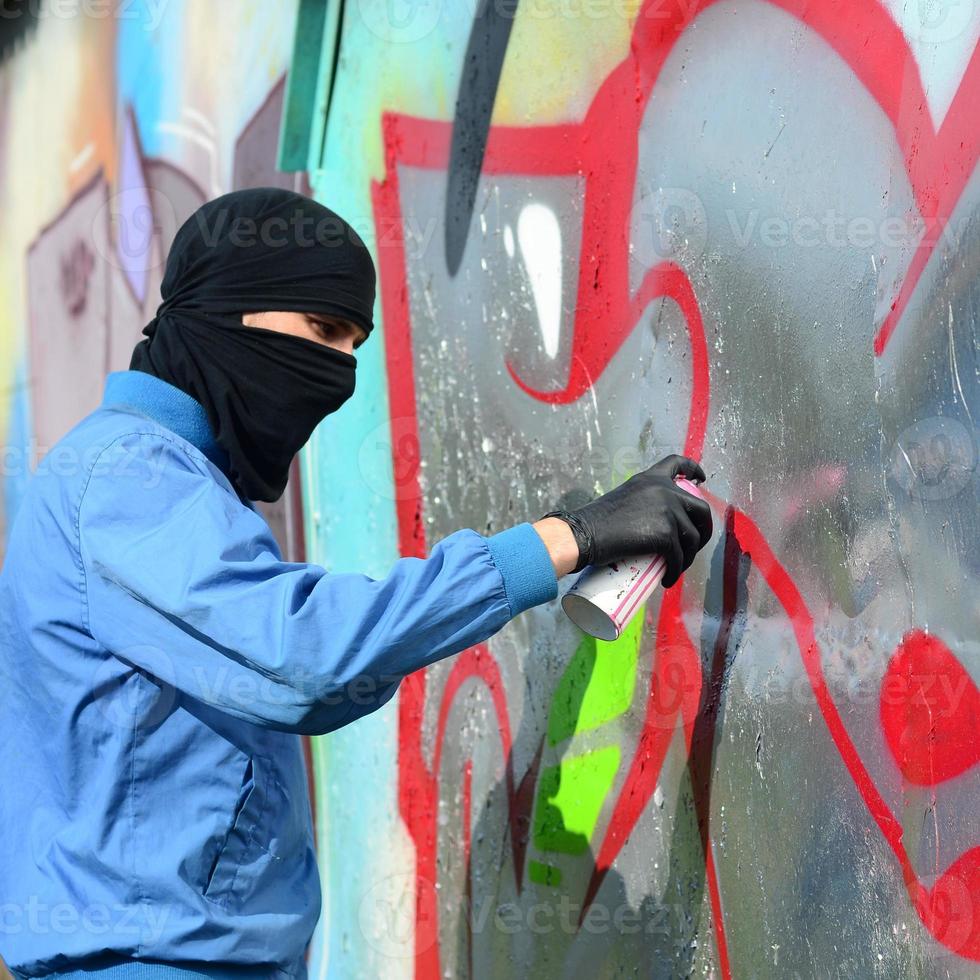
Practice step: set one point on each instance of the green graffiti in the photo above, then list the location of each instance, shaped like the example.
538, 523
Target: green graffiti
598, 684
570, 797
543, 874
596, 687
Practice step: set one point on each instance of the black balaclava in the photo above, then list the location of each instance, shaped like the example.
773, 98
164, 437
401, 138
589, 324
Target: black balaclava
264, 392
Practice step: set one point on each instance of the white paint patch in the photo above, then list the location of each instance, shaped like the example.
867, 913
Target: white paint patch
194, 116
509, 241
942, 35
539, 236
198, 139
83, 157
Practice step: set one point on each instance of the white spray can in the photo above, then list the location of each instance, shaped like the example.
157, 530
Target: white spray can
603, 599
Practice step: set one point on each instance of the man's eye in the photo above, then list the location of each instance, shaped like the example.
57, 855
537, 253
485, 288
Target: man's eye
333, 331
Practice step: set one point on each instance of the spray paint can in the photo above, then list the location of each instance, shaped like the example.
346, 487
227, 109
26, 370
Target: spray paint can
603, 599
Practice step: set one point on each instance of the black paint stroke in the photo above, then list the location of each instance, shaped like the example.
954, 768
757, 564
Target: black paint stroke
726, 601
18, 21
482, 67
334, 68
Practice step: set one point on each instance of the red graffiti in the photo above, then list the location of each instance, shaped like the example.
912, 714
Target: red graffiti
604, 148
930, 711
930, 714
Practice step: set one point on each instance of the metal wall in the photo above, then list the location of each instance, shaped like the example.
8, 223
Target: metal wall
748, 232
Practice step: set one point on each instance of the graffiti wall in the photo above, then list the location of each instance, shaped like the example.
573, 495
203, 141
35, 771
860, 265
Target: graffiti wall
113, 129
744, 231
605, 231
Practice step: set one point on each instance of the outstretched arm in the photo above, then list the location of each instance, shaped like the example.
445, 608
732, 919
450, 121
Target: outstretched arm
185, 582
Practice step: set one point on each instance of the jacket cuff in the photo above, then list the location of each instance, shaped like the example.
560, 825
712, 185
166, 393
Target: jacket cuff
525, 566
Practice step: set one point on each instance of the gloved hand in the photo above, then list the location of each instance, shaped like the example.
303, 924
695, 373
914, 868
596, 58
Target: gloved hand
648, 514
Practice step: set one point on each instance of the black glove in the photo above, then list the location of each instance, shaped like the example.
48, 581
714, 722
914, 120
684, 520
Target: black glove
648, 514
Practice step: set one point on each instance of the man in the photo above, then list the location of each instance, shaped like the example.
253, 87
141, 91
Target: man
161, 660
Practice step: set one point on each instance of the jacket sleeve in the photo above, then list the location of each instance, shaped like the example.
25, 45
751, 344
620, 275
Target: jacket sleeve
186, 582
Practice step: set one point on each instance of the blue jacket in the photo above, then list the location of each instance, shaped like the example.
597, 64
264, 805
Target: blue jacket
158, 664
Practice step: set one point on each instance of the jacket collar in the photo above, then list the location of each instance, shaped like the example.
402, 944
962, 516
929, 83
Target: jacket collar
164, 403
